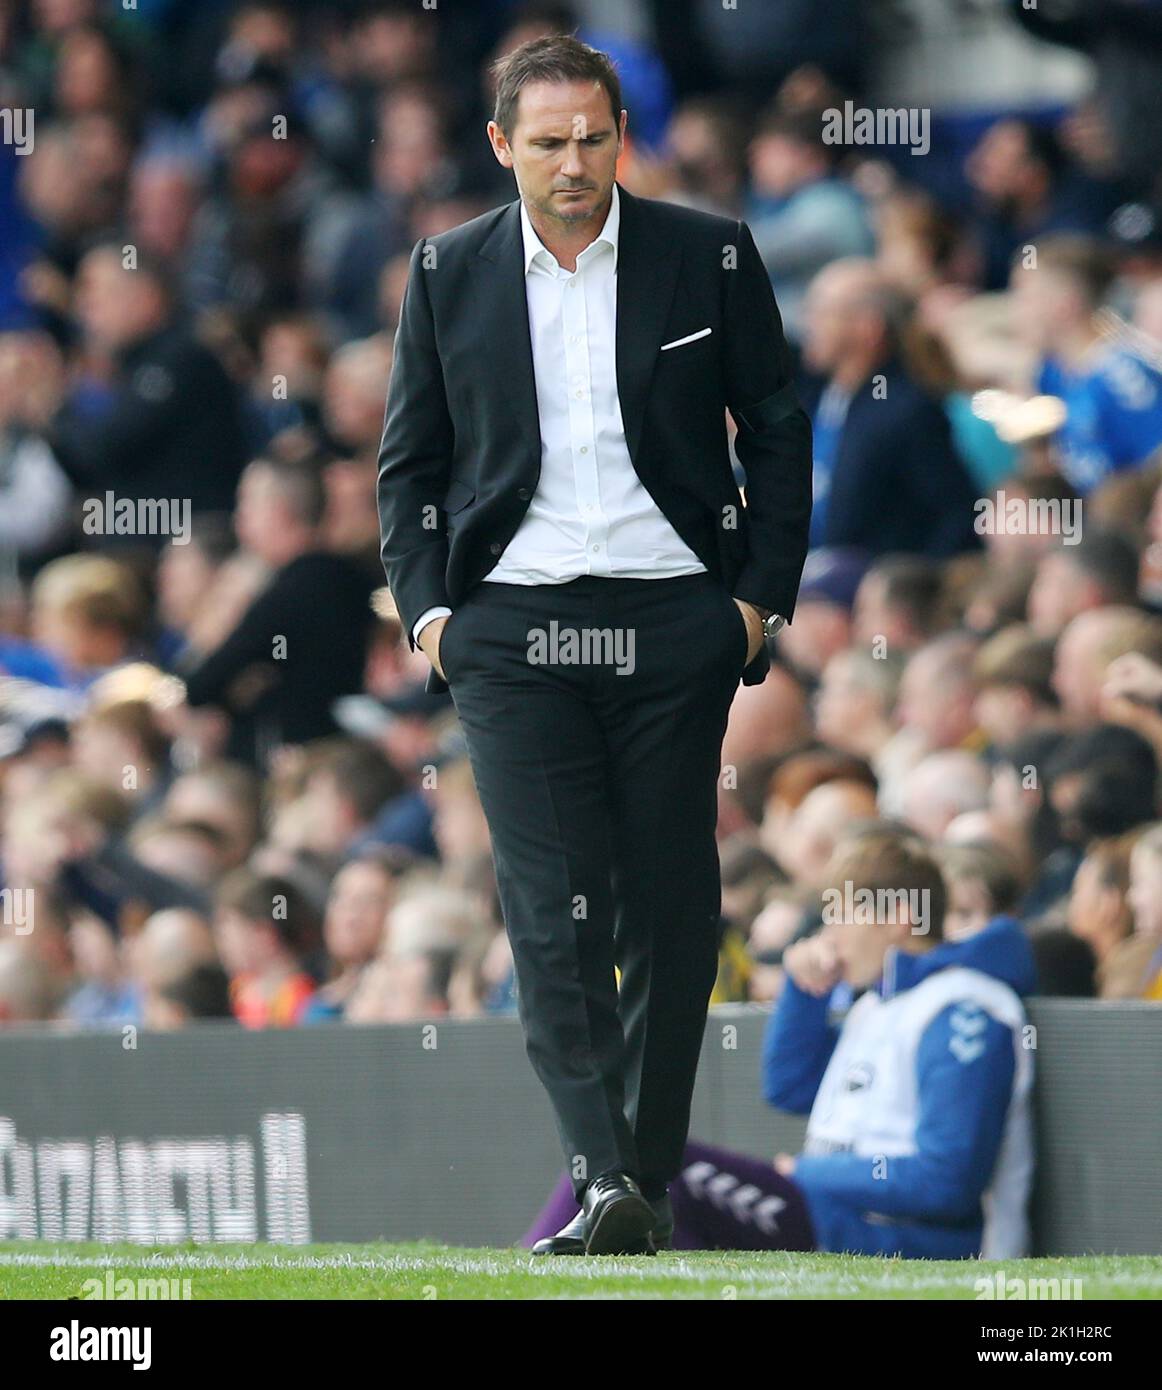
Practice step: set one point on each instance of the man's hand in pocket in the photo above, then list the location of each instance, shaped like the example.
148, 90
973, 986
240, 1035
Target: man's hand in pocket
754, 628
429, 641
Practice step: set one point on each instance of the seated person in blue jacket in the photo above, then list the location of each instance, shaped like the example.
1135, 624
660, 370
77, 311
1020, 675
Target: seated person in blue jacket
919, 1141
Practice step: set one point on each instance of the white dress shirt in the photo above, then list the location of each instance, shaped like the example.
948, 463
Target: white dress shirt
590, 513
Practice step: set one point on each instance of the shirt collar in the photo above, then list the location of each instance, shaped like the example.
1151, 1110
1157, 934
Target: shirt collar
533, 245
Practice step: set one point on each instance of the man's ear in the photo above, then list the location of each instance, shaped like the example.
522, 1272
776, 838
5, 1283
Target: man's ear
500, 146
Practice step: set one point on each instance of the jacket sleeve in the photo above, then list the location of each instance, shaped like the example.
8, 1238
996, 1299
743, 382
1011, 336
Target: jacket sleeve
415, 459
797, 1047
773, 442
964, 1075
250, 644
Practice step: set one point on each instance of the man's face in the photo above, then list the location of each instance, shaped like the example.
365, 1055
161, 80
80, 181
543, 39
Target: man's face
820, 631
116, 306
844, 706
999, 163
872, 615
1060, 591
969, 909
237, 942
780, 164
1001, 711
1045, 305
563, 148
260, 515
862, 946
361, 896
1078, 672
826, 317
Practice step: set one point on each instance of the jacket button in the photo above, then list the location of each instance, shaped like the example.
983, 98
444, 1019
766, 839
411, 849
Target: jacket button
496, 547
524, 493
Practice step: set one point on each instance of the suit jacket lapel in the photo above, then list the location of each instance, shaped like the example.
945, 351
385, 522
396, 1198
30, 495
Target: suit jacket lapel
504, 313
647, 273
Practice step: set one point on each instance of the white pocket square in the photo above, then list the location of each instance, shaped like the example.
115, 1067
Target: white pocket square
689, 338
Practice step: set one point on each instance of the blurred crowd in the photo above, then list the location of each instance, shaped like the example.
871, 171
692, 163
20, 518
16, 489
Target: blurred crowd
224, 792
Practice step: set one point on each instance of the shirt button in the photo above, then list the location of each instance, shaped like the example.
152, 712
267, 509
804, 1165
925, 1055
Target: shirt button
584, 448
596, 550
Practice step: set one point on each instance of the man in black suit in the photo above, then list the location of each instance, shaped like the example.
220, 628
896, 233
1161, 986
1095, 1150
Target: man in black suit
564, 539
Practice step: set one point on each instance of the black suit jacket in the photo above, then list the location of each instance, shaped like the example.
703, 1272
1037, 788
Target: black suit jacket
461, 450
896, 443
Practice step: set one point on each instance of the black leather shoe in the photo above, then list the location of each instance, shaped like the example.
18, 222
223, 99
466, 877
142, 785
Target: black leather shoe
618, 1219
569, 1240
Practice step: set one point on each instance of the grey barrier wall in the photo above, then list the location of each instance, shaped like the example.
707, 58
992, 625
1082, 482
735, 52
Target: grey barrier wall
341, 1133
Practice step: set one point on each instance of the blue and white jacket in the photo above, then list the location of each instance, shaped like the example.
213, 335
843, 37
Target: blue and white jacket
919, 1141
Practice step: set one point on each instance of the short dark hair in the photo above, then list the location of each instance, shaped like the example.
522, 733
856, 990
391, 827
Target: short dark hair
557, 58
363, 774
1066, 965
256, 896
1110, 560
914, 584
202, 992
800, 127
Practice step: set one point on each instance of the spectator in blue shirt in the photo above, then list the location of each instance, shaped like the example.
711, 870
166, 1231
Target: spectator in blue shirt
1113, 396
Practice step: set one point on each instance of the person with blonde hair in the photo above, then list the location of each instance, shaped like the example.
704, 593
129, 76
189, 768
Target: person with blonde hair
87, 614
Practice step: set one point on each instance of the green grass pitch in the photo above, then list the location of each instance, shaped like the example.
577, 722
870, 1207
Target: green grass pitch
44, 1270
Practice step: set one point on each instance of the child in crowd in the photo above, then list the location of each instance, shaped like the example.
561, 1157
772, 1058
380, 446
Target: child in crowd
264, 929
982, 882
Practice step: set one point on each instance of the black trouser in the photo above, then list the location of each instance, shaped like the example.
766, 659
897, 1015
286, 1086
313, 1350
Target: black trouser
600, 790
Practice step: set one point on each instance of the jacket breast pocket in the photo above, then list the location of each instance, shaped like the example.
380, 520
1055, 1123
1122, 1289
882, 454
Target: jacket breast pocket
688, 361
458, 496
